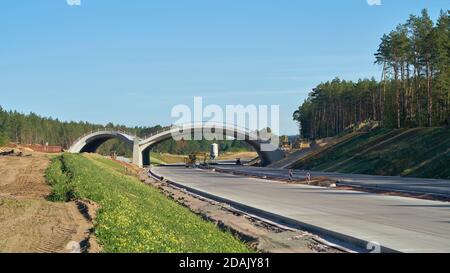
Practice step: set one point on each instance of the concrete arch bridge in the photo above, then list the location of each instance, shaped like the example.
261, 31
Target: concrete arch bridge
89, 143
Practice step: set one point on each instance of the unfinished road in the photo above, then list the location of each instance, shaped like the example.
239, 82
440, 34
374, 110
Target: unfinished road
397, 223
423, 186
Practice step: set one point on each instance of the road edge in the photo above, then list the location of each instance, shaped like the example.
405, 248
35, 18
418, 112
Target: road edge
347, 241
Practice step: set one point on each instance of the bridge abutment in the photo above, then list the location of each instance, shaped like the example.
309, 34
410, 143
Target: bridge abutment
137, 153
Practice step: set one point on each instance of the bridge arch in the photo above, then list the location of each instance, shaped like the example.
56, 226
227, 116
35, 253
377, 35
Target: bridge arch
89, 143
268, 155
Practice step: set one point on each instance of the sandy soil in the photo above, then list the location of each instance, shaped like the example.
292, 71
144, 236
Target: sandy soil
241, 155
30, 223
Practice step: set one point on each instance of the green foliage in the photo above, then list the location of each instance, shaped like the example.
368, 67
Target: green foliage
188, 147
59, 178
119, 147
135, 217
3, 139
335, 105
414, 90
33, 129
420, 152
157, 159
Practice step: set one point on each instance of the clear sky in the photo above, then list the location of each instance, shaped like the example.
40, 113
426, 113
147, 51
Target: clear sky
130, 62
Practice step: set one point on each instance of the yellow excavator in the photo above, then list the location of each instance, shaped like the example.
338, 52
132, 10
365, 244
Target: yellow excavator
285, 144
194, 159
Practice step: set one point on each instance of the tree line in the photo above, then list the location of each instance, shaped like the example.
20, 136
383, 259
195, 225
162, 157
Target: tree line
413, 90
33, 129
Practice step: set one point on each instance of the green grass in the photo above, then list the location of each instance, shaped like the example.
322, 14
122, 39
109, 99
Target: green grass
164, 158
423, 152
3, 139
108, 163
60, 179
134, 217
155, 159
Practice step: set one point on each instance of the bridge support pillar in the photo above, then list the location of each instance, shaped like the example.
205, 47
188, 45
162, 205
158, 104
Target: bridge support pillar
137, 154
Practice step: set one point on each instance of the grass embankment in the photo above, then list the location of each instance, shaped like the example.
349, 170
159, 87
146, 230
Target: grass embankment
134, 217
163, 158
422, 152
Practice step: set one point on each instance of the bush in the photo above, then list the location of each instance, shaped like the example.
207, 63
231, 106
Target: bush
62, 188
3, 139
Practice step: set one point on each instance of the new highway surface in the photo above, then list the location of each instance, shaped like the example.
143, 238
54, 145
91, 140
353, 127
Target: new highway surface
398, 223
439, 187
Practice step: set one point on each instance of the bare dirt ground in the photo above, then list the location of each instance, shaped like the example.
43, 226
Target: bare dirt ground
241, 155
30, 223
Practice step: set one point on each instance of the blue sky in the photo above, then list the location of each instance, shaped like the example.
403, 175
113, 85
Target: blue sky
130, 62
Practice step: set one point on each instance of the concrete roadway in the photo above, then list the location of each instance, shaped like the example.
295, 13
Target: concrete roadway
399, 223
389, 183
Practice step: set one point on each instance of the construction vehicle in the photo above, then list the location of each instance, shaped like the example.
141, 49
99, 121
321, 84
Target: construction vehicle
196, 159
285, 144
305, 145
300, 144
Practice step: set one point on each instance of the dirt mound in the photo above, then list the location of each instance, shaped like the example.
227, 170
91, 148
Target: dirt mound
30, 223
23, 177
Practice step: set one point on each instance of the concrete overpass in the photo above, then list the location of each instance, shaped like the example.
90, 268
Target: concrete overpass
89, 143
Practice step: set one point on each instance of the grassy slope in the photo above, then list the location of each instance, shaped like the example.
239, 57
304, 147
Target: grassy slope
135, 217
162, 158
423, 152
156, 160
